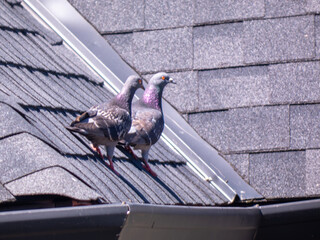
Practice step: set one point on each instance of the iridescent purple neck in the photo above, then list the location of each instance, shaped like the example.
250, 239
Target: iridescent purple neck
152, 97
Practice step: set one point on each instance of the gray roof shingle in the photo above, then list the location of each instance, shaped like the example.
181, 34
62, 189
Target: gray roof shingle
317, 35
162, 49
234, 87
218, 46
244, 129
53, 181
166, 13
12, 122
279, 40
276, 8
278, 174
14, 19
304, 126
259, 85
208, 11
105, 14
122, 43
5, 195
169, 49
312, 172
294, 82
241, 163
254, 42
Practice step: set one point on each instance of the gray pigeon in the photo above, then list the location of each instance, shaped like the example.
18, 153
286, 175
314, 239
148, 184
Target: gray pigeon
147, 118
108, 123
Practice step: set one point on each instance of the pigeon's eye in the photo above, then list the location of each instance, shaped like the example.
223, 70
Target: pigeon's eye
140, 81
163, 77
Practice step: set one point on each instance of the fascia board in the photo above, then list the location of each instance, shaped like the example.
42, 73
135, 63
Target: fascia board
95, 222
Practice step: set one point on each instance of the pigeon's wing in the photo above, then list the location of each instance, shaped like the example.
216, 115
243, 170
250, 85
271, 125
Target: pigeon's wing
103, 121
146, 128
113, 122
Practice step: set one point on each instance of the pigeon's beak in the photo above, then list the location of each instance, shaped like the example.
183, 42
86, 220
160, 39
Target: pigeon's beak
171, 81
141, 84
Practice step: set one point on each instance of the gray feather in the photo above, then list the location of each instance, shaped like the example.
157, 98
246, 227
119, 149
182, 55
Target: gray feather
108, 123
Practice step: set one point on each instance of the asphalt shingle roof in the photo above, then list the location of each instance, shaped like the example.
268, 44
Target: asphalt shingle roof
284, 172
43, 87
131, 16
252, 69
162, 49
207, 11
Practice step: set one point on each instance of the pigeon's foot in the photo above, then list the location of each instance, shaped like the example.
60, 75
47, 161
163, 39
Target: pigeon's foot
97, 149
128, 148
147, 167
111, 166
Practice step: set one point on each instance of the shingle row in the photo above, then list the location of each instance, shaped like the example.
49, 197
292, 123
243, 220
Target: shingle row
245, 129
221, 89
283, 174
260, 128
291, 83
14, 17
122, 16
215, 46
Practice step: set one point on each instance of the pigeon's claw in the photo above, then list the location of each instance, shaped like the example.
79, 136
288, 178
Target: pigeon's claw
128, 148
111, 166
147, 167
97, 149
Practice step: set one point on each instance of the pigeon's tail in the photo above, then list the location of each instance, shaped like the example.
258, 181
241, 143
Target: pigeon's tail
76, 129
80, 118
122, 143
71, 129
125, 143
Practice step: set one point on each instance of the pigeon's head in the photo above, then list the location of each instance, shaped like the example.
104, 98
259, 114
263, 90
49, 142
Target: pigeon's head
160, 80
134, 82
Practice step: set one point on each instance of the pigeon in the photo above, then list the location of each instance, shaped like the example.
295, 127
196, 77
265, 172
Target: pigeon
147, 119
108, 123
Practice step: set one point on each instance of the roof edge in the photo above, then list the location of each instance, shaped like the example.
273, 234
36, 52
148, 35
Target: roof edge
288, 212
85, 222
181, 222
147, 221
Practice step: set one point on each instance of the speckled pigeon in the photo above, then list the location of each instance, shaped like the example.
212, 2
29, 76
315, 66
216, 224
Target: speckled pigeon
108, 123
147, 118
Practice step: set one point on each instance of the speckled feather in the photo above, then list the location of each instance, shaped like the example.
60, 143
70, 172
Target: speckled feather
103, 123
147, 125
108, 123
147, 117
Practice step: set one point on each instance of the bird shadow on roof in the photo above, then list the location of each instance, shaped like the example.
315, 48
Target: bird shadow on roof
138, 164
20, 30
135, 164
13, 3
55, 110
